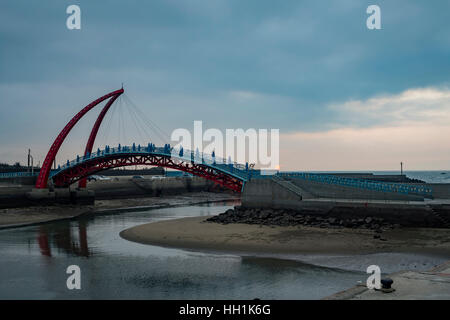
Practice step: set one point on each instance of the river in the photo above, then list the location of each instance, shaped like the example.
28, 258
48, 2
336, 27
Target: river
34, 260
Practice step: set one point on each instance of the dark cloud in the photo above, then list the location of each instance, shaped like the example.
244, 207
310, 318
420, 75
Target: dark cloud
230, 63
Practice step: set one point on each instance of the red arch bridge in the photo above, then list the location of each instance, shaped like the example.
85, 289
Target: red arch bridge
230, 175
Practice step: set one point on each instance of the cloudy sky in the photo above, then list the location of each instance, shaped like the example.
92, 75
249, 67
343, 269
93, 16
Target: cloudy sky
344, 97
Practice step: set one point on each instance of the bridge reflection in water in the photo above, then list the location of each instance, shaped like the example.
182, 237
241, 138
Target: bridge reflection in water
63, 239
34, 261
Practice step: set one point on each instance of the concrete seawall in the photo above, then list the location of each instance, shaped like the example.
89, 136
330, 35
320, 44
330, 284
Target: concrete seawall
346, 202
264, 193
150, 187
323, 190
28, 181
12, 196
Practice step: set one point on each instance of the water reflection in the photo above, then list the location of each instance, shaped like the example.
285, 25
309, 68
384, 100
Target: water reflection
34, 262
62, 238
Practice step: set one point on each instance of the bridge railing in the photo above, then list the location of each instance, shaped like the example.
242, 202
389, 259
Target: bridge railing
18, 174
23, 174
213, 161
363, 184
239, 170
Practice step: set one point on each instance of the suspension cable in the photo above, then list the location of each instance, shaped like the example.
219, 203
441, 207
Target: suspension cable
147, 122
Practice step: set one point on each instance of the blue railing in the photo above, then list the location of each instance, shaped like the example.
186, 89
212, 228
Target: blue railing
22, 174
238, 170
18, 174
363, 184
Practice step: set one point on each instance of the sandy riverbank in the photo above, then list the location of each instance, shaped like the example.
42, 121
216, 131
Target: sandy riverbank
195, 233
32, 215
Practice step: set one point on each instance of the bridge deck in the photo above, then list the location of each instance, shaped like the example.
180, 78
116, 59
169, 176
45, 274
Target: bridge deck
239, 171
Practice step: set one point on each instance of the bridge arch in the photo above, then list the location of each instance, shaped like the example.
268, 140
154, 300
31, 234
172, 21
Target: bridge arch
83, 168
41, 182
94, 131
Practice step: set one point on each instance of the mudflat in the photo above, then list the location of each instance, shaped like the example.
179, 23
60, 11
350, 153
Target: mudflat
197, 234
39, 214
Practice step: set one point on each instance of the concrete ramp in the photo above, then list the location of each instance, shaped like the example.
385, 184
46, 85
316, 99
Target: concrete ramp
288, 185
269, 193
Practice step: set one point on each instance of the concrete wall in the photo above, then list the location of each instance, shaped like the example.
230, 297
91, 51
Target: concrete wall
267, 193
124, 188
264, 193
26, 181
407, 215
325, 190
440, 190
16, 196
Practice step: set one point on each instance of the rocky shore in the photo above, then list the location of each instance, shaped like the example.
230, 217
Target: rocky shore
292, 218
284, 217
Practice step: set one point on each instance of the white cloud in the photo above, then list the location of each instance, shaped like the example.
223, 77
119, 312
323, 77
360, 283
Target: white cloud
413, 127
422, 147
414, 106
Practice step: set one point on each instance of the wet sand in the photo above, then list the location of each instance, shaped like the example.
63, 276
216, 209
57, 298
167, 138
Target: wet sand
196, 234
15, 217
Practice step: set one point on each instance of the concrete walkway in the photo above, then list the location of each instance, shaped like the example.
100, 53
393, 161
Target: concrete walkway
408, 285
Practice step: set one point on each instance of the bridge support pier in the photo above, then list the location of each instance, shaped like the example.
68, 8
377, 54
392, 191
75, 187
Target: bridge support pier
82, 196
62, 196
41, 195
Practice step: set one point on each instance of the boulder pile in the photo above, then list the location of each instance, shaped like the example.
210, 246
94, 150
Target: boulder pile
284, 217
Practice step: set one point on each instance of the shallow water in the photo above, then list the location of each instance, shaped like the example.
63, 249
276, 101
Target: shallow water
34, 260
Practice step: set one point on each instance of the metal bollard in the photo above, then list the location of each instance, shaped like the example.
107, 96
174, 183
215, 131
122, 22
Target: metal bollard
386, 285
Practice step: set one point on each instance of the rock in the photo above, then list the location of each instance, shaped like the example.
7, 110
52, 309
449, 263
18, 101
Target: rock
285, 217
265, 215
229, 211
348, 224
